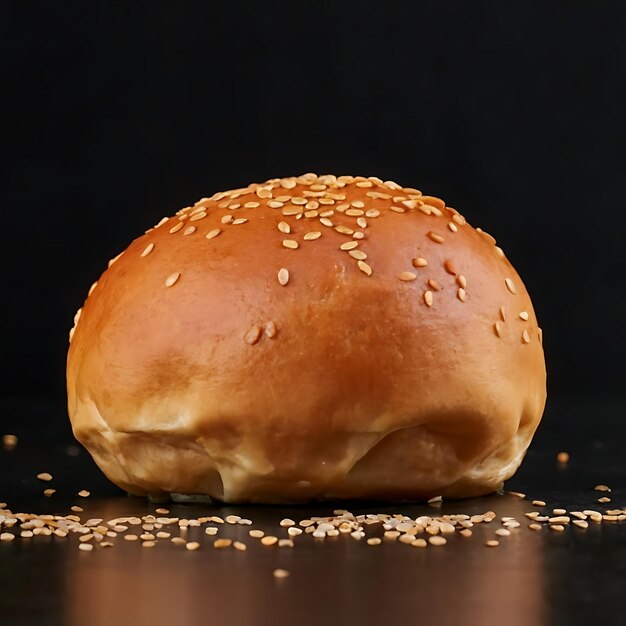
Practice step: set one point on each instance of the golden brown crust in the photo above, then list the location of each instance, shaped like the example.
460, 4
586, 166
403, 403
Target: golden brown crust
386, 350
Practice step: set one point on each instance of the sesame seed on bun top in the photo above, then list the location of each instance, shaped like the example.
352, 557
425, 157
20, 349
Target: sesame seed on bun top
339, 317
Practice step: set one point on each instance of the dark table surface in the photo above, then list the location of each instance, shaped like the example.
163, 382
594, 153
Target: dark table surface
532, 577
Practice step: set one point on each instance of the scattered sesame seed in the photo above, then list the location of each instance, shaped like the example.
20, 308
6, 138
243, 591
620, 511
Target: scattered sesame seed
192, 545
538, 503
461, 281
83, 493
239, 545
437, 540
85, 547
252, 336
283, 227
292, 244
525, 336
240, 220
314, 234
453, 227
374, 541
434, 284
190, 230
172, 279
131, 537
602, 488
372, 213
503, 314
197, 216
562, 457
428, 299
407, 276
357, 254
349, 245
270, 330
497, 327
450, 267
364, 267
434, 500
581, 523
213, 233
524, 316
49, 492
460, 294
510, 285
227, 219
148, 544
222, 543
283, 276
603, 500
294, 532
280, 573
211, 531
147, 250
419, 262
287, 522
269, 540
492, 543
45, 476
176, 227
435, 237
557, 527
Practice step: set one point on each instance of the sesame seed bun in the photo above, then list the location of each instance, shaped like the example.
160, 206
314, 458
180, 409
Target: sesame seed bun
304, 338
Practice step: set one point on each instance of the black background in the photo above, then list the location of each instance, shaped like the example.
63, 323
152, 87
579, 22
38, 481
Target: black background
115, 114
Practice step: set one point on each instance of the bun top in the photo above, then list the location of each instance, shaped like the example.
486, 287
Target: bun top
335, 303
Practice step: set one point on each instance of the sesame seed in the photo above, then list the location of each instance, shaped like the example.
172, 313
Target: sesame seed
435, 237
192, 545
602, 488
252, 205
562, 457
291, 211
270, 329
374, 541
510, 285
178, 541
603, 500
252, 336
294, 532
428, 298
213, 233
280, 573
298, 201
581, 523
358, 235
397, 209
84, 493
437, 540
256, 534
525, 336
222, 543
45, 476
314, 234
240, 220
172, 279
227, 219
419, 262
285, 523
372, 213
344, 230
492, 543
357, 204
497, 327
189, 231
130, 538
147, 250
357, 254
325, 221
459, 219
85, 547
269, 540
524, 316
292, 244
355, 212
538, 503
361, 222
197, 216
450, 267
239, 545
434, 284
461, 281
407, 276
460, 294
275, 204
349, 245
453, 227
176, 228
364, 267
503, 532
211, 531
311, 214
283, 276
49, 492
